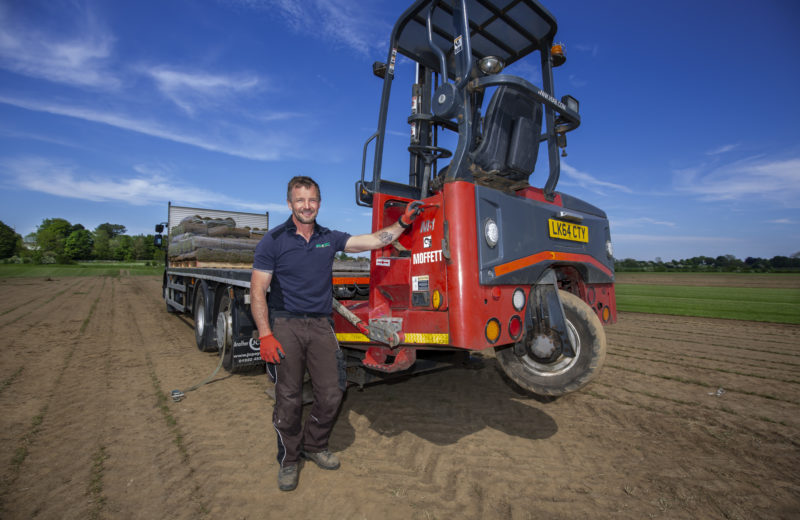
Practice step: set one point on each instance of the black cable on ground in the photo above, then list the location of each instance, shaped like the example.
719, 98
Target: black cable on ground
177, 395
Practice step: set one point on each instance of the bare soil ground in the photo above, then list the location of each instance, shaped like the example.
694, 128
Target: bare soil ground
689, 418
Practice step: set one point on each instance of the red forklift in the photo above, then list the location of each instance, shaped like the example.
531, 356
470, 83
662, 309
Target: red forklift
492, 261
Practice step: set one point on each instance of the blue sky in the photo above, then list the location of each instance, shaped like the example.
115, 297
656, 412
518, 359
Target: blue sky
108, 110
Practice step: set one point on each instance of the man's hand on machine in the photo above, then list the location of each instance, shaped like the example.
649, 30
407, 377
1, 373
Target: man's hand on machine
271, 349
413, 210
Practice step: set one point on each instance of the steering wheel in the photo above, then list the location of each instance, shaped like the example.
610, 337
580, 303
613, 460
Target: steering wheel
429, 153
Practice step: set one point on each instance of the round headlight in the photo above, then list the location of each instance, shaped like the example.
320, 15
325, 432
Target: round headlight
491, 232
609, 249
518, 299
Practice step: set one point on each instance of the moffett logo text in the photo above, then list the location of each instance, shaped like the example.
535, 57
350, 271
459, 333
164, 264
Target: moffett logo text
427, 257
427, 225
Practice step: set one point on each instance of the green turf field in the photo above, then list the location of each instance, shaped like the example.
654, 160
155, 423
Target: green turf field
738, 303
82, 269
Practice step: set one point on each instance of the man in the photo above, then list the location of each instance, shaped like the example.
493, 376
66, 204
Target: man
295, 259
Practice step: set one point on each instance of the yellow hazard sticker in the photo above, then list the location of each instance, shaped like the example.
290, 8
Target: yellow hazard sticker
427, 339
410, 337
352, 337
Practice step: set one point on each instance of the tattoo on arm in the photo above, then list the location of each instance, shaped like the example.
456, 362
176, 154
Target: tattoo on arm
385, 237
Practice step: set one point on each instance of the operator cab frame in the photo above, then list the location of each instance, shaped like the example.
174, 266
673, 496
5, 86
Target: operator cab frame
454, 68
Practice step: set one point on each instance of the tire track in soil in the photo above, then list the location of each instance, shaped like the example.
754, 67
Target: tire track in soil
226, 423
715, 447
687, 466
709, 371
453, 444
144, 455
45, 407
23, 299
229, 469
702, 329
418, 450
19, 293
393, 466
783, 369
731, 432
31, 349
450, 443
690, 346
764, 418
730, 382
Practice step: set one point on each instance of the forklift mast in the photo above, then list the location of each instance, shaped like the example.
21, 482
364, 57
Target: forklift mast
459, 48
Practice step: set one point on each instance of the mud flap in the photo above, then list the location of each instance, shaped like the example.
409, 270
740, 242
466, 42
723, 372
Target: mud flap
245, 349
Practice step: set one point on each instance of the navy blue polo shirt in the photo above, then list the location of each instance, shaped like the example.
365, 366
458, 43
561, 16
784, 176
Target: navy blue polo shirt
301, 271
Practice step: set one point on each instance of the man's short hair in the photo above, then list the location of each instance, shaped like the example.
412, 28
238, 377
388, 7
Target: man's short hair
305, 182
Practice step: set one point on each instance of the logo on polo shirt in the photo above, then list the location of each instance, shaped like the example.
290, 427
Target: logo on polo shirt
326, 244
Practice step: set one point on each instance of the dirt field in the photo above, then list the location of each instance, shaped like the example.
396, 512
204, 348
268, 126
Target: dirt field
690, 418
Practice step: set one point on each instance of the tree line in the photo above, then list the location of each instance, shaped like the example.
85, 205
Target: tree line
722, 263
57, 241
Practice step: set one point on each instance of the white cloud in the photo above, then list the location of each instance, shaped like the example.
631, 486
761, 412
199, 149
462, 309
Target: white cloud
637, 238
589, 182
243, 143
79, 58
781, 221
640, 222
343, 22
592, 48
151, 186
722, 149
774, 179
576, 82
188, 90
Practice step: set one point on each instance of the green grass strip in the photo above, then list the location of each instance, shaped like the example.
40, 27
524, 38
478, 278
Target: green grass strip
94, 490
735, 303
88, 269
163, 407
9, 380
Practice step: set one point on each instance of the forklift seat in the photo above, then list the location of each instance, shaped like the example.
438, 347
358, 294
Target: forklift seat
511, 129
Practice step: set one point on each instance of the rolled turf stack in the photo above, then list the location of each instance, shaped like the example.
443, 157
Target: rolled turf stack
203, 239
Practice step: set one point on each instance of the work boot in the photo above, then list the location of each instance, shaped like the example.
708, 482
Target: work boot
324, 459
288, 477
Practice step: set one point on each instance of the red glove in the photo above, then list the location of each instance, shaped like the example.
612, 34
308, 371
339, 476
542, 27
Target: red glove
271, 350
413, 209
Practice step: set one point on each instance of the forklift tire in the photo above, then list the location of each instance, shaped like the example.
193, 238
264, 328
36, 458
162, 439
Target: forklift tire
564, 375
203, 321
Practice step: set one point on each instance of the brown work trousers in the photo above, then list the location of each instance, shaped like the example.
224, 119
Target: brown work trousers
308, 343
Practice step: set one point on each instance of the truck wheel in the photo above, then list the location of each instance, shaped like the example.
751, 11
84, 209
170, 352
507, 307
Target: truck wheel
224, 330
203, 329
562, 375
